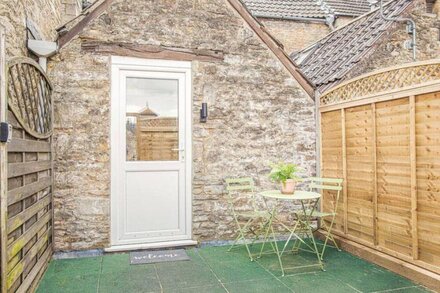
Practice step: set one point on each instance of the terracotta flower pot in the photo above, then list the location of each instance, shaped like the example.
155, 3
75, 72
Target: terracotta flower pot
288, 187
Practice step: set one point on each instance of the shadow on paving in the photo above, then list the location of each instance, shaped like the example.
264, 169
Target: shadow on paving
213, 269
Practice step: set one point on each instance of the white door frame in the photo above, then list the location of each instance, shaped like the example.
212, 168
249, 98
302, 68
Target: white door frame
118, 65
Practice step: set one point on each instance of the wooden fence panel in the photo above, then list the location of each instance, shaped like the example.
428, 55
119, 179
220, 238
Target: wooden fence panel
331, 136
153, 138
389, 123
29, 225
27, 209
359, 149
388, 152
394, 176
428, 176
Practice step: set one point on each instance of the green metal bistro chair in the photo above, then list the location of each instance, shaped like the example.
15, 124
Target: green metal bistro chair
329, 184
245, 220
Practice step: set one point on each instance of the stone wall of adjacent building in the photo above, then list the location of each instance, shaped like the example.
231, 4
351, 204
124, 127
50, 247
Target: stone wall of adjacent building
296, 35
70, 9
436, 7
258, 114
391, 52
44, 14
343, 20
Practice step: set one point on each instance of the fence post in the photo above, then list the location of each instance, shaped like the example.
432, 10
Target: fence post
3, 166
413, 160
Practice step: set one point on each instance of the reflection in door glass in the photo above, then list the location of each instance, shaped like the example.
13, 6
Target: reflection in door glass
152, 119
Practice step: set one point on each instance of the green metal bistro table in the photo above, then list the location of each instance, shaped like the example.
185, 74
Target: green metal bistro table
309, 201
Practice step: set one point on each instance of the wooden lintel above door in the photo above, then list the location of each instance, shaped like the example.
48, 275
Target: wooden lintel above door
151, 51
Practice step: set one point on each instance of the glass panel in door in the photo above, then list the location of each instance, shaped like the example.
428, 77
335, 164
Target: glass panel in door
152, 122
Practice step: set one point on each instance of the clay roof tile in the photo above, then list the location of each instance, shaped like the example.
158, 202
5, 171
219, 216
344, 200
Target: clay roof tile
306, 8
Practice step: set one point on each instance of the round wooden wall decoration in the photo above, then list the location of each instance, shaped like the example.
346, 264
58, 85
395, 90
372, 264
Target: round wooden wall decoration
30, 96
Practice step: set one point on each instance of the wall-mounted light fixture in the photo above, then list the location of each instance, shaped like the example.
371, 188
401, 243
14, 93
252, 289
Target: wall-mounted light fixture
204, 113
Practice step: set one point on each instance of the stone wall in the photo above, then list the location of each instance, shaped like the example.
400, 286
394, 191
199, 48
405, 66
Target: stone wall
343, 20
436, 7
296, 35
390, 52
258, 114
70, 9
45, 14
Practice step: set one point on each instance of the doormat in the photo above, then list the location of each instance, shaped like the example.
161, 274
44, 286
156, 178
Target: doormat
149, 256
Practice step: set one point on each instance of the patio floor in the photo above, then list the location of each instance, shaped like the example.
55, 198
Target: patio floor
212, 269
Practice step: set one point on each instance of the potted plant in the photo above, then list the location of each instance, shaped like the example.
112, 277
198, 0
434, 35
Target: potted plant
285, 174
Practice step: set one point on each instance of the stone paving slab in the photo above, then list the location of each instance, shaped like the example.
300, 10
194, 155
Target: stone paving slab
213, 269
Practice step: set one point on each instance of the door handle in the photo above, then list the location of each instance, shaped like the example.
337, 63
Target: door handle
179, 150
181, 154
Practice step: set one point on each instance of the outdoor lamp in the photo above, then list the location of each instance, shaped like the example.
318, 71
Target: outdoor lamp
204, 113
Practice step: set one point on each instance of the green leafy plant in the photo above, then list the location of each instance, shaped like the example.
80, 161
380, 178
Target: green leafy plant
283, 171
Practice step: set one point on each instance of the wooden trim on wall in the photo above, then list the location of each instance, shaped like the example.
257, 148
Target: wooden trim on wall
151, 51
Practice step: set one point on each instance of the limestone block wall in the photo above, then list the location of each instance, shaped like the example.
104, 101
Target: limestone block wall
436, 7
296, 35
45, 14
343, 20
258, 114
70, 9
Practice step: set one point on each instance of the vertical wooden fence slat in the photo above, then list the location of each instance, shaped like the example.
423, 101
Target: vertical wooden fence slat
344, 171
413, 160
48, 101
321, 171
3, 166
374, 142
33, 101
331, 134
16, 82
35, 97
50, 114
40, 98
25, 97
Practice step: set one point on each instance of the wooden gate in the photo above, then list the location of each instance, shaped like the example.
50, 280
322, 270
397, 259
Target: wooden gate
381, 134
26, 177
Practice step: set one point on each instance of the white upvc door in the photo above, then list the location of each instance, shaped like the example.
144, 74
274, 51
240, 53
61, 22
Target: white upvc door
150, 151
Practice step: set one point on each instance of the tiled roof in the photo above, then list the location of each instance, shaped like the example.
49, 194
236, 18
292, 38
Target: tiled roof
285, 8
349, 7
306, 8
327, 61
